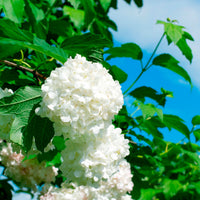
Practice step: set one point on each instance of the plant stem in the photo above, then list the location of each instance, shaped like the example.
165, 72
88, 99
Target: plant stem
155, 50
34, 72
146, 67
134, 82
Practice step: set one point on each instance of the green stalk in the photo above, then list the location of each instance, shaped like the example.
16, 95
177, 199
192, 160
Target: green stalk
146, 67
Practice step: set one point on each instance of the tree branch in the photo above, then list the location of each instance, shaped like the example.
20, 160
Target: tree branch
34, 72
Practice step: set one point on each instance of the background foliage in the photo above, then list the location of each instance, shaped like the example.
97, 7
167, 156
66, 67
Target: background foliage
36, 36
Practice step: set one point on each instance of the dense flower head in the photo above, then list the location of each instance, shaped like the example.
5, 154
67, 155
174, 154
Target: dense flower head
95, 158
28, 173
5, 120
80, 95
74, 192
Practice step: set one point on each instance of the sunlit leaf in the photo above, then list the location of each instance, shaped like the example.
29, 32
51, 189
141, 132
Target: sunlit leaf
13, 9
36, 13
130, 50
171, 187
75, 3
76, 16
59, 143
148, 194
20, 104
178, 36
169, 62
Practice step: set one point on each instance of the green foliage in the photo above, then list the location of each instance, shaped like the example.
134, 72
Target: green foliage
40, 134
20, 105
141, 92
5, 190
178, 36
126, 50
169, 62
13, 10
37, 36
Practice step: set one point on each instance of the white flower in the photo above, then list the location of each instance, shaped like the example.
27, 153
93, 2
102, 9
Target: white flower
74, 192
88, 161
28, 173
80, 96
5, 120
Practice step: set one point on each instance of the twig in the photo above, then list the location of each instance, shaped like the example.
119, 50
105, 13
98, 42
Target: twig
34, 72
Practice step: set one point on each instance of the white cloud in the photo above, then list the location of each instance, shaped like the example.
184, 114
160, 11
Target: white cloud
139, 26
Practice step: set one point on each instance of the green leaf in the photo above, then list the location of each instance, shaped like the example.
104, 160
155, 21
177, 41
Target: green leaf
88, 45
59, 143
116, 72
41, 129
9, 29
51, 2
6, 190
175, 122
186, 51
89, 11
105, 4
171, 188
149, 110
176, 34
76, 16
148, 194
11, 76
169, 62
130, 50
193, 156
141, 92
36, 12
75, 3
139, 3
196, 120
38, 45
197, 134
84, 42
52, 158
20, 39
20, 104
13, 9
43, 47
150, 126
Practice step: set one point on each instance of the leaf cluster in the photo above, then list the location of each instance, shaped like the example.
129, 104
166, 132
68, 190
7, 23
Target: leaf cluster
38, 36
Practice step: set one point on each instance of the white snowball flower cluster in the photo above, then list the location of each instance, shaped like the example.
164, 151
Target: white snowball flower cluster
113, 189
5, 120
81, 98
29, 172
96, 157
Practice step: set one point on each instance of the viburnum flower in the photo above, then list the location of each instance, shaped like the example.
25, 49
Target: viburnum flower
80, 96
97, 157
28, 173
114, 188
5, 120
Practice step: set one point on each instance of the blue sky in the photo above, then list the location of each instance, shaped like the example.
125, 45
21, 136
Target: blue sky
139, 26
